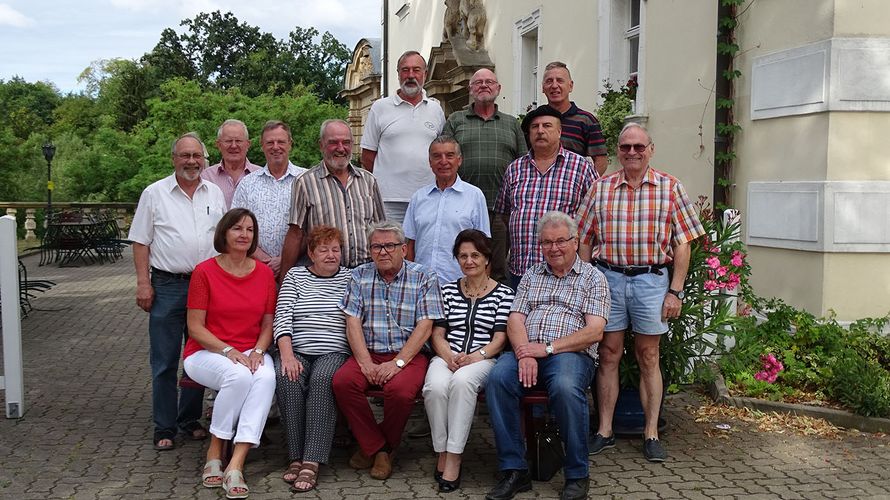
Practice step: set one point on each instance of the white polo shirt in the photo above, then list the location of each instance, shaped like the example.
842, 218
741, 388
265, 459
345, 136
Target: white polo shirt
401, 135
178, 230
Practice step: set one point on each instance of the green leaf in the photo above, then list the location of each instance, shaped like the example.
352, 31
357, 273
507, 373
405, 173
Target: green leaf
724, 103
731, 74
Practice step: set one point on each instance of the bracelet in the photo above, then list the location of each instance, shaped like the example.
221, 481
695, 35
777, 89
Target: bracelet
225, 351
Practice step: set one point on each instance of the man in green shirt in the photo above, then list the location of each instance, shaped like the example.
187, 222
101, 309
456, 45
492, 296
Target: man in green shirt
490, 140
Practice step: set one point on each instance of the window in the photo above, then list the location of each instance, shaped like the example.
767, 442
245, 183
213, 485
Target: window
622, 45
633, 39
526, 50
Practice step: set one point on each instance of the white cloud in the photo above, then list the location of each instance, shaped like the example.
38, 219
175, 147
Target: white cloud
11, 17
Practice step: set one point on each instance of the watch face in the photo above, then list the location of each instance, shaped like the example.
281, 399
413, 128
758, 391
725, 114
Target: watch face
400, 363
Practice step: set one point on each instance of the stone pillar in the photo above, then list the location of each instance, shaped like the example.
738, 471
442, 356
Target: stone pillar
30, 224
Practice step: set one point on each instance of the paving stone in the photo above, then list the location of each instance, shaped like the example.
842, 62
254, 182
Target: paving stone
86, 433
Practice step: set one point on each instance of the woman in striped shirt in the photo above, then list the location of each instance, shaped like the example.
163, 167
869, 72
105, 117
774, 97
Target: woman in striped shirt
466, 343
310, 332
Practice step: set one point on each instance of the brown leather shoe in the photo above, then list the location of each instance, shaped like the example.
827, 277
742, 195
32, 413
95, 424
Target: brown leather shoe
382, 465
360, 461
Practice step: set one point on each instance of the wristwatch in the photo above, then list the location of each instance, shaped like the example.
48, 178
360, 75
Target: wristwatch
482, 353
225, 351
680, 294
258, 351
549, 349
400, 363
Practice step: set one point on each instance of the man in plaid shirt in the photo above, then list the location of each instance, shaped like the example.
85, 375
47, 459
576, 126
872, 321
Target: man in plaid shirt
548, 178
634, 224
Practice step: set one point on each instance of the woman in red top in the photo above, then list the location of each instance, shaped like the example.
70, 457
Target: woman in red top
231, 304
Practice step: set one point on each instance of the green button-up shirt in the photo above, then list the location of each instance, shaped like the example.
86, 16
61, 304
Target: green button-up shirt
488, 146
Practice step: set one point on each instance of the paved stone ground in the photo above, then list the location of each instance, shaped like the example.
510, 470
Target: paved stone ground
86, 432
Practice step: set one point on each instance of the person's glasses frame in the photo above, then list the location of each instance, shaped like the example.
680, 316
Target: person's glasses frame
638, 148
560, 243
389, 247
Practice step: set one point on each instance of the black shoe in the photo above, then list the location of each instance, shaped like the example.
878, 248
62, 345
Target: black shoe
437, 475
575, 489
653, 451
597, 443
446, 486
512, 482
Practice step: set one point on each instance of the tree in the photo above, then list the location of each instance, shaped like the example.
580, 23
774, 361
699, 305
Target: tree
27, 107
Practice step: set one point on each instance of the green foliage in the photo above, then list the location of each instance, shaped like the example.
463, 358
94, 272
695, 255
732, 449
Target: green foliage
617, 105
848, 365
727, 48
728, 128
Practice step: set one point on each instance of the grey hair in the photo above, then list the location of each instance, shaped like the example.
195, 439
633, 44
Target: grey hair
409, 53
232, 121
193, 135
446, 139
327, 122
629, 125
558, 64
556, 218
386, 226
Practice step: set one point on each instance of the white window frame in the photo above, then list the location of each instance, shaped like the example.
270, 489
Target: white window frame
615, 33
523, 27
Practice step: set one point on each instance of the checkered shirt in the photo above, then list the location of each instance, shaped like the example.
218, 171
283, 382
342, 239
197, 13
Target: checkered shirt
527, 194
487, 147
390, 311
555, 307
637, 227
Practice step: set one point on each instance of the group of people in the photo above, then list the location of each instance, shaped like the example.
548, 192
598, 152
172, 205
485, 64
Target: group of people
469, 253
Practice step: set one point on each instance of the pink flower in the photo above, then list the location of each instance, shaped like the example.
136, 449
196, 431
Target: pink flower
721, 271
737, 259
710, 285
713, 262
733, 280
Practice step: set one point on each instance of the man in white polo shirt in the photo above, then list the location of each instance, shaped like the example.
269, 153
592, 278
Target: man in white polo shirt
172, 231
397, 133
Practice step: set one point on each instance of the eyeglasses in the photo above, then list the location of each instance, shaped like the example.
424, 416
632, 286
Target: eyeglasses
389, 247
232, 142
479, 83
190, 156
560, 243
638, 148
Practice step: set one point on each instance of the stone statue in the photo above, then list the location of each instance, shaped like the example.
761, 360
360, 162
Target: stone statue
465, 22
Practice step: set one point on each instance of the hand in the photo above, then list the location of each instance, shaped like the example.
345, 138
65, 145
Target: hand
291, 367
528, 372
274, 263
530, 350
145, 295
369, 370
469, 359
454, 361
238, 357
671, 307
255, 360
386, 372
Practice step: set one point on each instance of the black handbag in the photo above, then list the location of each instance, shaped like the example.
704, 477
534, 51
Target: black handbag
548, 455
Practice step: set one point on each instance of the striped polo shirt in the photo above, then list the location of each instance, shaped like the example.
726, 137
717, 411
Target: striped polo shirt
581, 133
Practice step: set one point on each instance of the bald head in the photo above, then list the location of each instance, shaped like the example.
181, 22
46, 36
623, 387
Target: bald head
484, 87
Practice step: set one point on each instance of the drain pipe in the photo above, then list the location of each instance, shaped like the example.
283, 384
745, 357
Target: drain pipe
722, 88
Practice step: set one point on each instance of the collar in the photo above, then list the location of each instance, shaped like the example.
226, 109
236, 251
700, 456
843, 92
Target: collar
324, 172
398, 276
648, 177
561, 153
576, 266
459, 186
573, 109
221, 168
291, 170
171, 183
472, 112
397, 99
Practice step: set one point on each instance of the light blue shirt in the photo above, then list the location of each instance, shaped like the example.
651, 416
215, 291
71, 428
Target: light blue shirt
435, 217
269, 199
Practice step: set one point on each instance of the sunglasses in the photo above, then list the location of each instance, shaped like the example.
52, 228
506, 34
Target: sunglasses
638, 148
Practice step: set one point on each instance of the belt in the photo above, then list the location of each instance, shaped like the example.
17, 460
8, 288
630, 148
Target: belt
632, 270
177, 276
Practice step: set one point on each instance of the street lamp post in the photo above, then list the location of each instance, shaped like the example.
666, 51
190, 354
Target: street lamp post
49, 150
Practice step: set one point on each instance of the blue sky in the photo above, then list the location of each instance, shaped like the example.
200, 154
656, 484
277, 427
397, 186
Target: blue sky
54, 41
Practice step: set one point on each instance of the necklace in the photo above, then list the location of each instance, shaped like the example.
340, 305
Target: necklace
474, 293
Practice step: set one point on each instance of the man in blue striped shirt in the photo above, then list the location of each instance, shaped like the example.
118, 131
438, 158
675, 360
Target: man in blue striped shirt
390, 305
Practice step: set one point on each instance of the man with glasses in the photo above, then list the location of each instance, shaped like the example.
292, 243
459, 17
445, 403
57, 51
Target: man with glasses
556, 320
397, 132
489, 140
581, 131
549, 177
233, 142
390, 305
636, 223
267, 192
172, 232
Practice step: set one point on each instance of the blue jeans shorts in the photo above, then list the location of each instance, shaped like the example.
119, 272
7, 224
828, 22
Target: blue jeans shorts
637, 302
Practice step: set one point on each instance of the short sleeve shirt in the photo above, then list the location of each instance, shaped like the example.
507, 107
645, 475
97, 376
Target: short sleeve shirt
268, 198
218, 175
582, 133
555, 306
401, 134
637, 227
